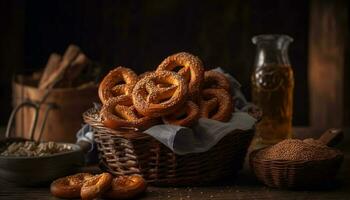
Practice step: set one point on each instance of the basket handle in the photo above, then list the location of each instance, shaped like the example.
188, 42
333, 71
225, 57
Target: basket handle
332, 137
13, 115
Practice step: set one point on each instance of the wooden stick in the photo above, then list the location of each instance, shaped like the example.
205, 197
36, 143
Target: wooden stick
51, 65
69, 56
76, 68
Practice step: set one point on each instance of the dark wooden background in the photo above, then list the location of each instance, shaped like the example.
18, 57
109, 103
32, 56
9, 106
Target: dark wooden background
139, 34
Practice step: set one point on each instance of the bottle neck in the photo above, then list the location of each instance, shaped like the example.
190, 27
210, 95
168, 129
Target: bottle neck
272, 50
268, 56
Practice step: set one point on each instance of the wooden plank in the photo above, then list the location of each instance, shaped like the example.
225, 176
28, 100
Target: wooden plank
327, 45
245, 188
52, 64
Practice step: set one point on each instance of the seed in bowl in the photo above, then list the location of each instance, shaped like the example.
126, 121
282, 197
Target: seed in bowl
34, 149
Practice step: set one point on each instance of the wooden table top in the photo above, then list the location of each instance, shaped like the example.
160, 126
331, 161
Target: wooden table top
245, 187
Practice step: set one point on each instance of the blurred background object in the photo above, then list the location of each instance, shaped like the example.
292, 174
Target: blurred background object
139, 34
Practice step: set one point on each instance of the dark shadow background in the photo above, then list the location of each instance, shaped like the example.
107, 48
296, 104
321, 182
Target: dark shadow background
139, 34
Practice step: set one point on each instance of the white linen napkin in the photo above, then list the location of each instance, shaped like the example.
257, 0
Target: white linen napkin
202, 136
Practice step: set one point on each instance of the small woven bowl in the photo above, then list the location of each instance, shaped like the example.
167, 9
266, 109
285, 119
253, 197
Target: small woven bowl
311, 174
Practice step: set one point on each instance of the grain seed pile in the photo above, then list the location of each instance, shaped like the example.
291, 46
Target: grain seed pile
294, 149
33, 149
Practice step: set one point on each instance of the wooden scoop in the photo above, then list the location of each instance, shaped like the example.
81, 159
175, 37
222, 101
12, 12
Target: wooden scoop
332, 137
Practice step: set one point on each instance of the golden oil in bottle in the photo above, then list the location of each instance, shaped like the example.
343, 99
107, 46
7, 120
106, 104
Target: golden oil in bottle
272, 88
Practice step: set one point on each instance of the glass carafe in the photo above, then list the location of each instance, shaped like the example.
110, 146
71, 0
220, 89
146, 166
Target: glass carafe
272, 88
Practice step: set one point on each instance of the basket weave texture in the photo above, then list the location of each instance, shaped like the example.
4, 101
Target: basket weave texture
130, 152
311, 174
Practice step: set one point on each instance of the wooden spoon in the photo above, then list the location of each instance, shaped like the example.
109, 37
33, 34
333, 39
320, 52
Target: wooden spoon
332, 137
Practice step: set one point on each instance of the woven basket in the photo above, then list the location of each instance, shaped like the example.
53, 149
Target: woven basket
130, 152
312, 174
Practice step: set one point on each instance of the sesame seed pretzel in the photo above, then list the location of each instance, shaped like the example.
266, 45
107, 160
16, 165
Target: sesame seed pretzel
119, 112
191, 70
216, 104
216, 80
118, 82
126, 187
69, 186
96, 186
159, 93
187, 116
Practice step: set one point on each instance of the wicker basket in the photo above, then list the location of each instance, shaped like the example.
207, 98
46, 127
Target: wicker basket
313, 174
129, 152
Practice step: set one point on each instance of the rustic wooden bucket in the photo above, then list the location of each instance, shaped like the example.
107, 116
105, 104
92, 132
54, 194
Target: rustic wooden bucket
63, 120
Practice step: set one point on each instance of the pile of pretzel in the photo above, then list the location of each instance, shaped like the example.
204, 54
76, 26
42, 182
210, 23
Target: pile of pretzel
88, 186
178, 92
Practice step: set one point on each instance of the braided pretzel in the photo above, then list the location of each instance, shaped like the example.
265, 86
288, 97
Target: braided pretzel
119, 112
69, 186
144, 74
159, 94
126, 187
191, 69
95, 186
186, 116
118, 82
141, 76
216, 80
216, 104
